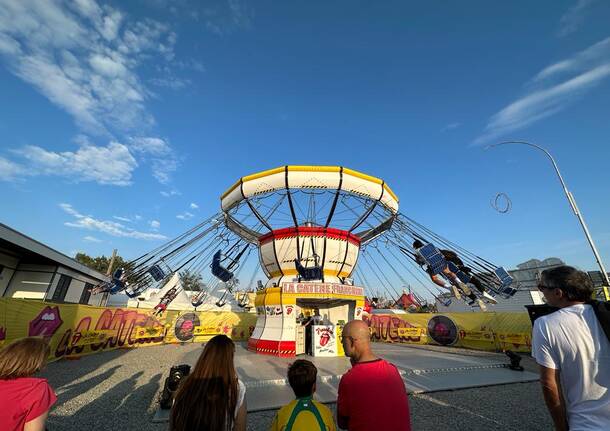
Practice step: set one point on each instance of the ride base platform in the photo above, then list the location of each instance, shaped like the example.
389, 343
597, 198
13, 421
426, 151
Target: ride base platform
423, 370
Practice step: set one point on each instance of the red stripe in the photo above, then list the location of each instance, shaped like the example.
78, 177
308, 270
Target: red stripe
329, 232
273, 347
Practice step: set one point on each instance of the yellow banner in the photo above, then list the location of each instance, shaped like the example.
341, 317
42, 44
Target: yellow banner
74, 329
411, 332
60, 324
85, 338
205, 330
150, 332
483, 331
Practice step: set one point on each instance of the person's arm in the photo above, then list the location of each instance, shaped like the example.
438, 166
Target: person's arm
342, 406
240, 419
37, 424
551, 389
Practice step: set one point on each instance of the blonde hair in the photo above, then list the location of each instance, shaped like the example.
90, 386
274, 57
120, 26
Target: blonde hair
23, 358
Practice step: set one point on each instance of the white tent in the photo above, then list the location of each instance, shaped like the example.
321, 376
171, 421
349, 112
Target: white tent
151, 297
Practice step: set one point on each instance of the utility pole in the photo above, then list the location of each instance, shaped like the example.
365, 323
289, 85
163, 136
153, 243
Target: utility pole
572, 202
108, 273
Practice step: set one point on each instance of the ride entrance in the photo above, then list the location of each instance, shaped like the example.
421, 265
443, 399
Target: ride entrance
321, 236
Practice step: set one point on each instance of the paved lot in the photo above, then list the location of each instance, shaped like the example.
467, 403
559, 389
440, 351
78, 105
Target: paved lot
117, 390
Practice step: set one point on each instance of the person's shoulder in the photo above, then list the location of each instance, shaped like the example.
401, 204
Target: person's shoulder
29, 382
547, 320
321, 407
286, 409
325, 412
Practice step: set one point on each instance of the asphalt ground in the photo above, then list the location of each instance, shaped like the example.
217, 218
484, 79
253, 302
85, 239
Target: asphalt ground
118, 390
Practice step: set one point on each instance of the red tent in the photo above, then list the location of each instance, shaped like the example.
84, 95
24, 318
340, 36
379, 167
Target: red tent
406, 300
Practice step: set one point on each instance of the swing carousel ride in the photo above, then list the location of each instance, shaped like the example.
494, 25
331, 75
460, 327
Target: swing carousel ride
319, 234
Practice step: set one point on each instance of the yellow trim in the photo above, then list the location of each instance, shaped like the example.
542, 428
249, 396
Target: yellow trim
389, 190
308, 168
233, 187
362, 176
303, 168
262, 174
295, 272
273, 297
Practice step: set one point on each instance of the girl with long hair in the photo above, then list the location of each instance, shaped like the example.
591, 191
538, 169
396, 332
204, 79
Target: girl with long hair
211, 398
25, 400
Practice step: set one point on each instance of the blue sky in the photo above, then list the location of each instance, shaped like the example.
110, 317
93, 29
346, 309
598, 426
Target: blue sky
123, 122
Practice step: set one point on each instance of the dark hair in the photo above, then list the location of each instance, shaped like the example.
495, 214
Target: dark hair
417, 244
206, 400
576, 284
302, 376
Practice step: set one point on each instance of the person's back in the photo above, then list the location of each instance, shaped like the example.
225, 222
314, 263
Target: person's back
303, 413
211, 397
571, 340
374, 386
25, 399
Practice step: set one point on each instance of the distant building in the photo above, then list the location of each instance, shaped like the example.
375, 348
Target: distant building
32, 270
526, 274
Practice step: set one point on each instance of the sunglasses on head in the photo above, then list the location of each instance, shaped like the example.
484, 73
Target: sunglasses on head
542, 287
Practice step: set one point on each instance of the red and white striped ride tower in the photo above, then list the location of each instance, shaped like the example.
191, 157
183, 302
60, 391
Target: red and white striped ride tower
309, 223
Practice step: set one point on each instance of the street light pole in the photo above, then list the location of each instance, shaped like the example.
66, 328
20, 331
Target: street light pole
571, 200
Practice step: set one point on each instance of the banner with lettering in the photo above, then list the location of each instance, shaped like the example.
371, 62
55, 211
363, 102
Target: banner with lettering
482, 331
75, 329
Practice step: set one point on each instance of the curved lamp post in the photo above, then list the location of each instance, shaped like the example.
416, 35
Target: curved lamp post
570, 199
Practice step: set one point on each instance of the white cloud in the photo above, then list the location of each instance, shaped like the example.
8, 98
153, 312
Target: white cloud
171, 82
138, 217
226, 17
152, 146
552, 90
85, 59
10, 171
194, 206
123, 219
593, 56
170, 193
77, 57
573, 18
89, 238
155, 224
162, 157
112, 164
451, 126
185, 216
105, 226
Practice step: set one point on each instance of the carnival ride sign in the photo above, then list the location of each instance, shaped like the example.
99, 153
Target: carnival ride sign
322, 289
324, 340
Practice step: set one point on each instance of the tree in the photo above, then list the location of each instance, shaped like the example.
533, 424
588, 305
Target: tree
100, 263
191, 281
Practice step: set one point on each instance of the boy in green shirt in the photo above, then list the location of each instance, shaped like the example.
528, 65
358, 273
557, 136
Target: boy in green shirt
303, 413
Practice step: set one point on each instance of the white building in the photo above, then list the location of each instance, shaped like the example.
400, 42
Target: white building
32, 270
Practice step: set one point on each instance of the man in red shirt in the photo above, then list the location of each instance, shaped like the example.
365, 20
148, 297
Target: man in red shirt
372, 395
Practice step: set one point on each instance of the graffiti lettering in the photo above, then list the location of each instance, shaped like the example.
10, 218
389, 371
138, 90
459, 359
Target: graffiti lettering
122, 326
385, 328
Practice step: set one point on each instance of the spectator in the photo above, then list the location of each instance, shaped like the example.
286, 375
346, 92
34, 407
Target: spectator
25, 400
211, 398
372, 385
303, 413
308, 324
573, 353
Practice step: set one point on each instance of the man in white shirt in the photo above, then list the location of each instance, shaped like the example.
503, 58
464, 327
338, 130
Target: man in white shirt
573, 353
